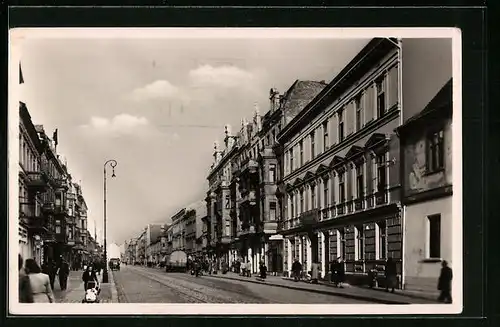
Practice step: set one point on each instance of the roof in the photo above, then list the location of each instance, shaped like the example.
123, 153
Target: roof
372, 53
298, 96
439, 105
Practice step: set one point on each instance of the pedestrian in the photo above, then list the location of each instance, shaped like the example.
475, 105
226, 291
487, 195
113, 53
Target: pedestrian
391, 275
63, 274
263, 270
49, 268
333, 272
296, 269
39, 282
340, 272
25, 291
249, 269
444, 283
314, 273
89, 275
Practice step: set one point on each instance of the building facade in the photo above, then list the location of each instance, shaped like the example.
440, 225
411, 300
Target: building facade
34, 224
427, 191
341, 183
177, 231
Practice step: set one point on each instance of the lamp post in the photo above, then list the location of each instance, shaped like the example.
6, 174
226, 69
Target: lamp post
112, 163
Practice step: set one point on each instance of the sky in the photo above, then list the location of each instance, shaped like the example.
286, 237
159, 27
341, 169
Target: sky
157, 106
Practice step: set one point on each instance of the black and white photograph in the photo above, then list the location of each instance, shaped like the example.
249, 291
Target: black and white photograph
235, 171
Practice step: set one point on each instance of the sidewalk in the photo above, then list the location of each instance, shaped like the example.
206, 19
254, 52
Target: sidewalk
74, 292
353, 292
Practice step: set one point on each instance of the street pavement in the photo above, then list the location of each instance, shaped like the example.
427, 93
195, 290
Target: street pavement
75, 293
136, 284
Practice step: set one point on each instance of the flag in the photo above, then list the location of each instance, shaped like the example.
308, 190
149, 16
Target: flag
21, 79
54, 137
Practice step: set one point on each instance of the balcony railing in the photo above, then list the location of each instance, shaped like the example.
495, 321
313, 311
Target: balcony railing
310, 217
341, 209
37, 180
359, 203
380, 197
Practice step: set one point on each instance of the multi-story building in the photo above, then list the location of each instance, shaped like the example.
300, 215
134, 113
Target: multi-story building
255, 200
152, 242
177, 231
341, 183
141, 247
80, 226
218, 201
130, 251
34, 224
193, 223
426, 164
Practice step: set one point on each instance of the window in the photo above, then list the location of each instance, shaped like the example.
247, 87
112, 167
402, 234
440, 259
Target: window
434, 236
292, 206
359, 113
313, 196
272, 173
326, 195
268, 139
381, 240
360, 181
341, 125
58, 226
360, 242
381, 173
380, 97
291, 159
313, 145
301, 207
342, 243
325, 136
341, 187
272, 211
301, 153
435, 151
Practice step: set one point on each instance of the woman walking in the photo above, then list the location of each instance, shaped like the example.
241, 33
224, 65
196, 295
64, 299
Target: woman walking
40, 283
88, 276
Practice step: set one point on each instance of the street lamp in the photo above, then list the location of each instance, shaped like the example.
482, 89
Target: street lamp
105, 276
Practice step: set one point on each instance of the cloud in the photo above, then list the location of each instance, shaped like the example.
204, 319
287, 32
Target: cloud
160, 89
221, 76
122, 124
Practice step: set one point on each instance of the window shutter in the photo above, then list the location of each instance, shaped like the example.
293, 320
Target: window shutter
350, 116
333, 129
369, 103
392, 89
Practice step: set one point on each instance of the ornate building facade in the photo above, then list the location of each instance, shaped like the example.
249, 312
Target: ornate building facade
341, 185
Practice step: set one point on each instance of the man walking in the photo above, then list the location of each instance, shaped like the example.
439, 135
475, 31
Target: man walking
444, 284
49, 268
63, 274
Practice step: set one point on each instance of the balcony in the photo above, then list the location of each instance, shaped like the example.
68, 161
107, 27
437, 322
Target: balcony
248, 197
33, 218
246, 230
250, 165
60, 210
359, 203
309, 218
49, 207
380, 197
341, 209
61, 183
37, 180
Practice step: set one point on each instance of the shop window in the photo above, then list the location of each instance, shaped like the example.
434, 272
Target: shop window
382, 239
360, 242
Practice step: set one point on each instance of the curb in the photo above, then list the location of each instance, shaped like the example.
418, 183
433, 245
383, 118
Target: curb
350, 296
114, 292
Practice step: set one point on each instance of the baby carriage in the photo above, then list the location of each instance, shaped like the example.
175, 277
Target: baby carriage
92, 292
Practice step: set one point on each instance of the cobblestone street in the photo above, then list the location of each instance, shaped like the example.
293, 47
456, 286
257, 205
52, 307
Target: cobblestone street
75, 292
149, 285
